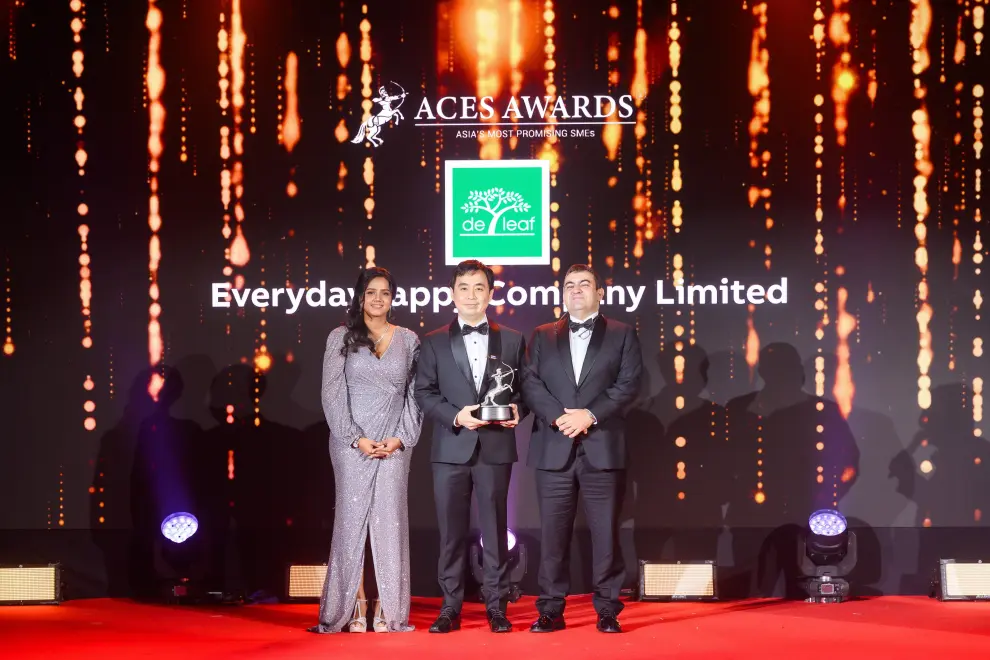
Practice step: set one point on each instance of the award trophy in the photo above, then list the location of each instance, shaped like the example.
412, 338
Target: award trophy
494, 412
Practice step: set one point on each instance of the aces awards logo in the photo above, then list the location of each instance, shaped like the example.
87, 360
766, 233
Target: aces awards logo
474, 116
497, 211
372, 127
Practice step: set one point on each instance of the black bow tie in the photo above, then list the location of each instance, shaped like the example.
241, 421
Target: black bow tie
586, 325
468, 329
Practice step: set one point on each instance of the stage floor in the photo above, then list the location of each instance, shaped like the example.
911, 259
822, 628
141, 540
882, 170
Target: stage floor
888, 627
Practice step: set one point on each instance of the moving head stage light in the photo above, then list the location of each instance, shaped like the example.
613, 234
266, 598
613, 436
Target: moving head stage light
517, 564
179, 527
182, 564
826, 554
174, 562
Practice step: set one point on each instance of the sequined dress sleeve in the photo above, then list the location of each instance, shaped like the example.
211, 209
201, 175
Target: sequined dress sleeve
411, 420
336, 403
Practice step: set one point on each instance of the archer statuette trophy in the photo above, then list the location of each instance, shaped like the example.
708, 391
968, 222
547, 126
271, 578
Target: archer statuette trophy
491, 411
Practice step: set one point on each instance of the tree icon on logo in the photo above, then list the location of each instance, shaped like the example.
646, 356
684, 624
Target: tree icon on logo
496, 202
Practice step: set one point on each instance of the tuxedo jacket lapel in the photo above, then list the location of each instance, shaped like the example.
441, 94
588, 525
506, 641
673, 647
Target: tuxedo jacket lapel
460, 353
564, 348
493, 359
597, 339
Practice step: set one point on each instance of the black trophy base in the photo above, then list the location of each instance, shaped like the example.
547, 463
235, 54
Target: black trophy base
495, 413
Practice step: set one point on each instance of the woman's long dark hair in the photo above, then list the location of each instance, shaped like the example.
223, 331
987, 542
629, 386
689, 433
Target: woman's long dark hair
357, 331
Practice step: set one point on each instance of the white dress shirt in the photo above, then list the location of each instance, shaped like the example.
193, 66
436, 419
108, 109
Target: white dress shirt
580, 341
477, 351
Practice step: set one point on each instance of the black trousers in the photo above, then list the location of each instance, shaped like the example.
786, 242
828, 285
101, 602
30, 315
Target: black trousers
452, 487
602, 492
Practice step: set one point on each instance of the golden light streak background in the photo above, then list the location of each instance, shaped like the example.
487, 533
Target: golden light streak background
810, 105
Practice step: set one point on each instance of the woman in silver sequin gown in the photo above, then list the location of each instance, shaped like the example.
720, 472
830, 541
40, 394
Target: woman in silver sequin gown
374, 425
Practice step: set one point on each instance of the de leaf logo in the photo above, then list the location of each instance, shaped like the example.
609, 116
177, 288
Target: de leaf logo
498, 211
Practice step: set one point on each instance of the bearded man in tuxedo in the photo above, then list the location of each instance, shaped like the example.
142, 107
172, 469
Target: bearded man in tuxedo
582, 374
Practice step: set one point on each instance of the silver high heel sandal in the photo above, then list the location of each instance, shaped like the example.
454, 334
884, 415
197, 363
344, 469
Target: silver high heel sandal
380, 625
359, 619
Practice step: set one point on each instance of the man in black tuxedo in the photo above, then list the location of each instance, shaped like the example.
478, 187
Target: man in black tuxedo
456, 365
582, 374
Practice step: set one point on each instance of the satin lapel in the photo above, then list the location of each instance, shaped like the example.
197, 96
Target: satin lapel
494, 358
597, 339
564, 348
460, 353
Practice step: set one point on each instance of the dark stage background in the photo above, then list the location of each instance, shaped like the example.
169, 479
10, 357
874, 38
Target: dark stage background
835, 144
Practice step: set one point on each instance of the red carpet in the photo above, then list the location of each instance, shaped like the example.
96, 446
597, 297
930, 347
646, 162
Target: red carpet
889, 627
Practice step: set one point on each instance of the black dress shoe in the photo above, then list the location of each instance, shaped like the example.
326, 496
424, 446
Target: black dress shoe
448, 621
607, 622
497, 621
548, 623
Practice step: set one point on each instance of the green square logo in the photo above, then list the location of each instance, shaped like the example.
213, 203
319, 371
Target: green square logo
497, 211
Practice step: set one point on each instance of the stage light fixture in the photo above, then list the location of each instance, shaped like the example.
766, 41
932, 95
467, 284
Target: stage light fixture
305, 582
518, 561
510, 536
179, 527
826, 555
680, 580
182, 564
31, 585
961, 580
